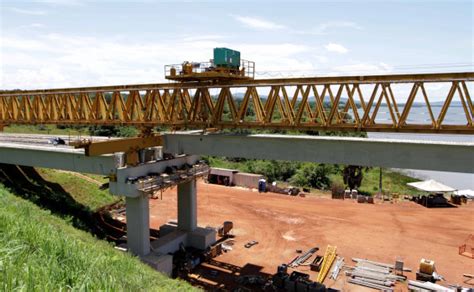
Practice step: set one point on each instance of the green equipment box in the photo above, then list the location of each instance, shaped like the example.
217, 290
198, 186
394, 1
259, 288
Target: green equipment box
224, 57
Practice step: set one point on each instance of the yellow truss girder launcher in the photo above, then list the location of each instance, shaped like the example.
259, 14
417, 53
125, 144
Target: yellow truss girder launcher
342, 103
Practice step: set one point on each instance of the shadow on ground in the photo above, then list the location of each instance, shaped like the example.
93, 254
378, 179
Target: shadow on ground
27, 183
219, 276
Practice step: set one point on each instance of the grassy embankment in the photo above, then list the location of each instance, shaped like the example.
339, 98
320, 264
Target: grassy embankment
84, 188
39, 251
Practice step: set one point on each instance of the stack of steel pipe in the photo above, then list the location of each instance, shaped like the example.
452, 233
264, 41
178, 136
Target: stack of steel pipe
373, 275
427, 286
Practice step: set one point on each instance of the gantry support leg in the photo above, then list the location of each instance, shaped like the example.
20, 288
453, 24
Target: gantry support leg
187, 206
138, 225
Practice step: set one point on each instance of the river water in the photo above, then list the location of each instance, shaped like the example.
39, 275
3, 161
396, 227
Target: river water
453, 179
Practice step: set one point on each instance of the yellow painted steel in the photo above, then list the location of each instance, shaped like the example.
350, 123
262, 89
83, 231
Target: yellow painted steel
130, 146
329, 257
320, 103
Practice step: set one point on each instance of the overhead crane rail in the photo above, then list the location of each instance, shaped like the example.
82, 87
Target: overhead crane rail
348, 103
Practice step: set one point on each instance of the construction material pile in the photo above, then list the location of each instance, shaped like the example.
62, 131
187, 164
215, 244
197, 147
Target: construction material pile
428, 287
374, 275
300, 260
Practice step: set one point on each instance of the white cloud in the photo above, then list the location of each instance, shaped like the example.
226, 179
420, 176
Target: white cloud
28, 11
336, 48
258, 23
56, 60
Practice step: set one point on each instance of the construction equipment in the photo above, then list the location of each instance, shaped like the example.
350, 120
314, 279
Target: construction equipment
226, 65
427, 271
317, 103
297, 281
427, 266
316, 264
329, 257
131, 146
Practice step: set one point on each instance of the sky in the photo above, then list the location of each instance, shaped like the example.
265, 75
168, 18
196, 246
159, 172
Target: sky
61, 43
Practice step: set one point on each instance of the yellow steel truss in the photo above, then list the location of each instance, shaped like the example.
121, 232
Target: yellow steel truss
295, 103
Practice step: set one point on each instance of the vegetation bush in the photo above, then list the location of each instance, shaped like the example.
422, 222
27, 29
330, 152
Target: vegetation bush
41, 252
113, 131
313, 175
273, 170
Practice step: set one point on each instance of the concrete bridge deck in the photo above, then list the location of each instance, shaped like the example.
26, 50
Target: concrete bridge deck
408, 154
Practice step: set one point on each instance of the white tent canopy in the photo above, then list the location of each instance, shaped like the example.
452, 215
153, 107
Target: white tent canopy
431, 186
467, 193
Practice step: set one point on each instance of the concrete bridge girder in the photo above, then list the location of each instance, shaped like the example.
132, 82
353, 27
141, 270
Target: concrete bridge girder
406, 154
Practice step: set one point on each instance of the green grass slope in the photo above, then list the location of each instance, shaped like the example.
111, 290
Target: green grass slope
41, 252
83, 188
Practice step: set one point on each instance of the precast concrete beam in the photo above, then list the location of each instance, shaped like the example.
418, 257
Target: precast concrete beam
406, 154
57, 157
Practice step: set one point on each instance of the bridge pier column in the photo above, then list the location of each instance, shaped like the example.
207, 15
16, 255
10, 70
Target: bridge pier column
138, 225
187, 206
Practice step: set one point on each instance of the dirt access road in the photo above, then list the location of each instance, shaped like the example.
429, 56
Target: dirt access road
282, 224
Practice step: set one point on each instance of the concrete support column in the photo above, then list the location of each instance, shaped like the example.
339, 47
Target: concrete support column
187, 206
138, 225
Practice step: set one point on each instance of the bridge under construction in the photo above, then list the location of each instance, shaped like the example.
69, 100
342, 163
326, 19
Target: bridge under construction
227, 97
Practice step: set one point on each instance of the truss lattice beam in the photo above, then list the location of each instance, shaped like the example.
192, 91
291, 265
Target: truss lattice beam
324, 103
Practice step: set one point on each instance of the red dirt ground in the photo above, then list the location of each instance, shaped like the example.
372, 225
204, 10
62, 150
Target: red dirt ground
282, 224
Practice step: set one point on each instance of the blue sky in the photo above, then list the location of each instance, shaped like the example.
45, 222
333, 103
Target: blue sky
57, 43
